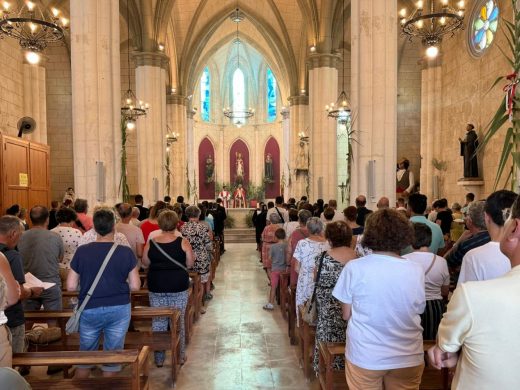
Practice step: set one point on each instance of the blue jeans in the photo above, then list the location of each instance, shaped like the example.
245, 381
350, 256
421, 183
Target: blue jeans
113, 322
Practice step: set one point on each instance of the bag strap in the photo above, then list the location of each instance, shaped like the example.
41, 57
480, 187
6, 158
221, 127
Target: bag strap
317, 280
96, 280
279, 213
431, 265
176, 262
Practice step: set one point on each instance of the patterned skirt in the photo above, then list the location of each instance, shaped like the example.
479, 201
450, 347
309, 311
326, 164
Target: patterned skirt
431, 318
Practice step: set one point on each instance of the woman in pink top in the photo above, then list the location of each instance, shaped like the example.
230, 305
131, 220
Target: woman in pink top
81, 208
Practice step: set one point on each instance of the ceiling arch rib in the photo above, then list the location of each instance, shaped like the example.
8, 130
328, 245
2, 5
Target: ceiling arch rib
136, 28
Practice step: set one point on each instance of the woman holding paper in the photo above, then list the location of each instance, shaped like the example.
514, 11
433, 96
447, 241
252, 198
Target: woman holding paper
9, 295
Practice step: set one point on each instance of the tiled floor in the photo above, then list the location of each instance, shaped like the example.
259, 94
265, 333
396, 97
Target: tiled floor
237, 344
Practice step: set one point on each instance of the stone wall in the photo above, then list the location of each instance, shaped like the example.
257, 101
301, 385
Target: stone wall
11, 86
59, 119
465, 82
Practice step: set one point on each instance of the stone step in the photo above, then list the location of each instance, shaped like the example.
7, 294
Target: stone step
240, 235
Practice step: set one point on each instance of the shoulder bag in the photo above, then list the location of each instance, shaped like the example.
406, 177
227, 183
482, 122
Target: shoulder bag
280, 214
72, 325
310, 314
176, 262
431, 265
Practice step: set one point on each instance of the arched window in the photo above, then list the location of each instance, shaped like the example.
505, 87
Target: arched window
205, 95
271, 96
239, 93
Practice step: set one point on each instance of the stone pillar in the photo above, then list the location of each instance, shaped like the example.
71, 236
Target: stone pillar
150, 84
374, 98
35, 100
431, 98
299, 118
190, 151
96, 97
286, 153
176, 120
323, 90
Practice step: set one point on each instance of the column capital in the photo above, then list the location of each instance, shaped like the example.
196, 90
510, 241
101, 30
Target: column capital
298, 100
148, 58
176, 99
190, 112
285, 113
318, 60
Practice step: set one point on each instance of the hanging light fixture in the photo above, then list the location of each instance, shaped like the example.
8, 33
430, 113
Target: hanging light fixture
132, 108
33, 27
430, 21
238, 115
340, 110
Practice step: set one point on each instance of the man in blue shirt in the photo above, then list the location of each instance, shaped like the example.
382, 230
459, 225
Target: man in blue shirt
417, 206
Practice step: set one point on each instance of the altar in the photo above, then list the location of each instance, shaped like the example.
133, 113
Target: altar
239, 216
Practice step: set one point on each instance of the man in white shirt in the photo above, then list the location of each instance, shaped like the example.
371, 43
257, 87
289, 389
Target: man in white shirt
278, 209
487, 261
338, 216
479, 331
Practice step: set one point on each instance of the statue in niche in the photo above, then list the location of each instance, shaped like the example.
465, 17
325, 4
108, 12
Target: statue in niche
239, 168
239, 197
210, 169
268, 167
468, 146
302, 160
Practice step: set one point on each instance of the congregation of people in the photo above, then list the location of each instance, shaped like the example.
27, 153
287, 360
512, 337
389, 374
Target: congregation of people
381, 281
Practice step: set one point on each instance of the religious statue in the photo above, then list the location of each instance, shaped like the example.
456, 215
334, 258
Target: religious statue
210, 169
302, 160
225, 195
468, 146
239, 197
239, 168
404, 179
269, 172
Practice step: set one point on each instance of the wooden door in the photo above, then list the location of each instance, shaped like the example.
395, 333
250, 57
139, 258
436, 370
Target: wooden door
38, 175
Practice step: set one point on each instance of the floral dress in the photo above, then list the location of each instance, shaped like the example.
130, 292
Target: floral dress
331, 326
71, 238
199, 238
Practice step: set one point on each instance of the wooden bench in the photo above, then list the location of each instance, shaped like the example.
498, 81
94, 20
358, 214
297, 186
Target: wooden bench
306, 335
284, 286
155, 340
197, 294
432, 379
291, 316
137, 380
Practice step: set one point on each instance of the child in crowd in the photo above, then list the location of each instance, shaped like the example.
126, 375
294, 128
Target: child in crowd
277, 255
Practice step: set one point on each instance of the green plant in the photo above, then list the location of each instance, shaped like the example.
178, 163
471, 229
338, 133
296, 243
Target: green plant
511, 147
256, 192
229, 222
123, 183
439, 164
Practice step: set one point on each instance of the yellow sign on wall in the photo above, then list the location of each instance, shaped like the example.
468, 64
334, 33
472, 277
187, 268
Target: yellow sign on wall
23, 180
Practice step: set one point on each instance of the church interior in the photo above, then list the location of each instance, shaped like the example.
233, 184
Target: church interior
323, 99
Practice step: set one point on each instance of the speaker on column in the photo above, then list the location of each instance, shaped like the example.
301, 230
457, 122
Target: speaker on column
100, 181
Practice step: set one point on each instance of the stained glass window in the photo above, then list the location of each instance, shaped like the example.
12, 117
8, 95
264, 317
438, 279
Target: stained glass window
205, 95
271, 96
484, 24
239, 93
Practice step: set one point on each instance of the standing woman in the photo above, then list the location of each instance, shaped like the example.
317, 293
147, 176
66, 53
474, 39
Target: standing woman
70, 236
331, 326
108, 309
260, 220
168, 256
198, 236
383, 297
81, 209
151, 223
268, 239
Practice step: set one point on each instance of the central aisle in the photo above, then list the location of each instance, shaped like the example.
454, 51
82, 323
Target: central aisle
237, 344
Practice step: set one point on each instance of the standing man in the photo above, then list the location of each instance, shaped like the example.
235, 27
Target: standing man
278, 209
239, 197
225, 195
220, 218
416, 207
143, 211
405, 181
362, 211
42, 252
133, 234
468, 146
478, 332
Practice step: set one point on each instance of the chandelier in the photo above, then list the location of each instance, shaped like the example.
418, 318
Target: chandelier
340, 110
132, 108
430, 21
238, 114
33, 27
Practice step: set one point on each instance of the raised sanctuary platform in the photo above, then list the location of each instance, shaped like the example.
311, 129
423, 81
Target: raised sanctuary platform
239, 216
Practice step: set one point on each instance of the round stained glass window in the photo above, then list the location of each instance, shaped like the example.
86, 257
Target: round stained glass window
483, 26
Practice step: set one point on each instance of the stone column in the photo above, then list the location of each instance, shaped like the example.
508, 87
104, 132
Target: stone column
190, 151
176, 120
285, 159
96, 97
374, 98
150, 84
431, 98
323, 90
35, 100
299, 119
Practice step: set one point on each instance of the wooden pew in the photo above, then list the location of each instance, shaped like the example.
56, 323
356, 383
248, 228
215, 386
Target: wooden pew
197, 294
432, 379
155, 340
307, 335
284, 286
291, 316
137, 380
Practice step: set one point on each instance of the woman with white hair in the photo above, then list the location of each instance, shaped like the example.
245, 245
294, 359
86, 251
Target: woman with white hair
305, 254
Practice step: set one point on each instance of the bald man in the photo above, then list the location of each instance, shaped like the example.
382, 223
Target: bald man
383, 203
362, 211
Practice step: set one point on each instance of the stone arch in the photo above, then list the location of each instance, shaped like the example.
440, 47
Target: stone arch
239, 146
206, 182
272, 186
